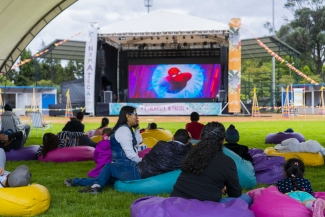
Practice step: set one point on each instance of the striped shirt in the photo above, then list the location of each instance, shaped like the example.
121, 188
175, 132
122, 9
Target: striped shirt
66, 139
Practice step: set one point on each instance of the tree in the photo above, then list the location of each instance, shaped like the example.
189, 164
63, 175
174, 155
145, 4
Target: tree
306, 32
26, 74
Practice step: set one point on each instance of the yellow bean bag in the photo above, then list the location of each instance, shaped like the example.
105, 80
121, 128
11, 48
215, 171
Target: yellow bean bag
159, 134
96, 139
150, 142
309, 159
24, 201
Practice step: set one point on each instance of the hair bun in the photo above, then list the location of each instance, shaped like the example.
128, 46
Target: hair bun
231, 126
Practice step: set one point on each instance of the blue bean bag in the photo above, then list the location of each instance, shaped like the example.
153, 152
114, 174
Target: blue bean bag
180, 207
245, 169
277, 138
159, 184
24, 153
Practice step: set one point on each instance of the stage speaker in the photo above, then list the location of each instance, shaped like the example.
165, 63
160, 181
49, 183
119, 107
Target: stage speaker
101, 62
108, 96
222, 96
224, 55
102, 109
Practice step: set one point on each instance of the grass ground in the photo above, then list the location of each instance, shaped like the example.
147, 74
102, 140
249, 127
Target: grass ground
66, 201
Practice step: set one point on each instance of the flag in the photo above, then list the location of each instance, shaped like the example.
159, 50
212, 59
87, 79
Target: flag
254, 90
67, 94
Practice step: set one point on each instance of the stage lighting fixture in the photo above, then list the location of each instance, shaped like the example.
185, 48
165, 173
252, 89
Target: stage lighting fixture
122, 38
139, 46
194, 44
215, 36
144, 45
151, 38
205, 43
167, 38
154, 45
191, 36
141, 38
158, 38
185, 44
226, 37
133, 38
162, 45
183, 37
173, 37
223, 32
203, 36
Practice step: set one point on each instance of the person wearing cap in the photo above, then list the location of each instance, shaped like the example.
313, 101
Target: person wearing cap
10, 140
195, 128
17, 178
232, 137
8, 111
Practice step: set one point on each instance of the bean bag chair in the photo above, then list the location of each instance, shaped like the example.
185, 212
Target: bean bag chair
150, 142
277, 138
69, 154
158, 134
25, 153
194, 141
144, 152
309, 159
24, 201
268, 169
96, 139
180, 207
270, 202
159, 184
245, 169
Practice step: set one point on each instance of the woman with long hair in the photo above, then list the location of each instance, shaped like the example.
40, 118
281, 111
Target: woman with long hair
125, 137
102, 126
207, 172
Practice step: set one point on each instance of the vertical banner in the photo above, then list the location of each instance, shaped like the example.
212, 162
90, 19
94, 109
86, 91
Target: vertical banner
298, 96
90, 67
234, 66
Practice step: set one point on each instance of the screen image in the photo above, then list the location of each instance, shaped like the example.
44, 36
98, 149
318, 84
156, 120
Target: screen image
174, 81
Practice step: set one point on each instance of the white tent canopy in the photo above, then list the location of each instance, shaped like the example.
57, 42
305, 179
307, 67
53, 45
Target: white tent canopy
21, 21
150, 29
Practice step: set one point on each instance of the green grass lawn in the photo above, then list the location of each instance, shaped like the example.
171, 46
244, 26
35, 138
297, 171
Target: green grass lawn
66, 201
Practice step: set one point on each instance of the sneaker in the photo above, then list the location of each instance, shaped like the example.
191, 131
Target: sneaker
90, 190
68, 182
318, 208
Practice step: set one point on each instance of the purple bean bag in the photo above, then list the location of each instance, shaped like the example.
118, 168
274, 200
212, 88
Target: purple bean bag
268, 169
24, 153
144, 152
69, 154
270, 202
277, 138
180, 207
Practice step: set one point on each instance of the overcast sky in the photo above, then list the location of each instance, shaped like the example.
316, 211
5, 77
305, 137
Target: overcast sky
254, 13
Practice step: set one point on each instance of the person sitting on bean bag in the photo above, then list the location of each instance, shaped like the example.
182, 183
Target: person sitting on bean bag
207, 172
102, 154
163, 157
61, 140
194, 127
10, 140
299, 188
232, 137
17, 178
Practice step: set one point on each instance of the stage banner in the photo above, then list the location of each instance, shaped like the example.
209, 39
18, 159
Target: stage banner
168, 108
298, 96
90, 67
234, 66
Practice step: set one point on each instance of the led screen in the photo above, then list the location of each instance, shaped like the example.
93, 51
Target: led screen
174, 81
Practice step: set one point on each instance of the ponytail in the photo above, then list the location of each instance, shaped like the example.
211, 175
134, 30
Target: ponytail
295, 168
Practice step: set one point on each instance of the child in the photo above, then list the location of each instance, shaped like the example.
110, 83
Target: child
103, 153
300, 188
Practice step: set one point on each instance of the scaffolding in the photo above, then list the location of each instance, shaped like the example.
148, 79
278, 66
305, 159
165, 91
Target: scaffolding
68, 108
255, 108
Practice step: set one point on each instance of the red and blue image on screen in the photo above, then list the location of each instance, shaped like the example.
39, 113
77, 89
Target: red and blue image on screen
174, 81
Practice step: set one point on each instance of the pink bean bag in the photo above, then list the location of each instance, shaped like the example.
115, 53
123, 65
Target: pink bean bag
270, 202
144, 152
69, 154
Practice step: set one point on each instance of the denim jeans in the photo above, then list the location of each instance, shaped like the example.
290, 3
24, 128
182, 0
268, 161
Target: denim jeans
118, 171
244, 197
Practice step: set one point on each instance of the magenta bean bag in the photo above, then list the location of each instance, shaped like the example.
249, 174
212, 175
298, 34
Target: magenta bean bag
144, 152
24, 153
69, 154
270, 202
277, 138
180, 207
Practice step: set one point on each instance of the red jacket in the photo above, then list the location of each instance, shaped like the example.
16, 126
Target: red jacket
195, 129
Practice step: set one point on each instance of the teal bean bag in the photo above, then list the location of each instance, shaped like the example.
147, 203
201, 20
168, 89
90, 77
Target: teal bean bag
245, 169
159, 184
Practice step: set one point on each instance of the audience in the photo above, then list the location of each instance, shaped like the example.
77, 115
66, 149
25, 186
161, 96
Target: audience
164, 157
102, 154
232, 137
19, 124
207, 172
10, 140
75, 125
103, 125
17, 178
195, 127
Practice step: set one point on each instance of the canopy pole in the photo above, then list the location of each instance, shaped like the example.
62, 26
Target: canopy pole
118, 73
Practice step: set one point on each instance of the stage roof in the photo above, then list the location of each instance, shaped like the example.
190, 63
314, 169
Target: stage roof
251, 49
164, 27
21, 21
70, 50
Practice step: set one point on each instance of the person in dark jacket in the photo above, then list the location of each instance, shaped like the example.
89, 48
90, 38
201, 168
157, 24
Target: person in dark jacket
75, 125
164, 157
232, 137
10, 140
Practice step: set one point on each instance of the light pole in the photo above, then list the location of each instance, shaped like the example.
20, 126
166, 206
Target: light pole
148, 4
273, 59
